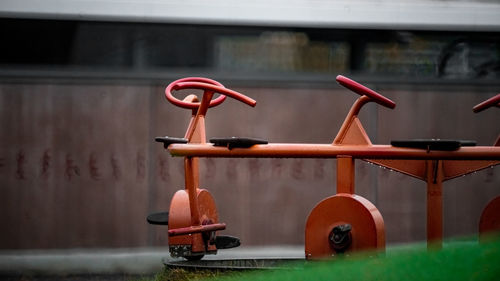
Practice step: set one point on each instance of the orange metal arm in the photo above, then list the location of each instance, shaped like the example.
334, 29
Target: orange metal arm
352, 118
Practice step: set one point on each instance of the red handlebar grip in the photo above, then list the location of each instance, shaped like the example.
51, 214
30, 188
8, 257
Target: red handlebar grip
191, 105
493, 101
217, 89
365, 91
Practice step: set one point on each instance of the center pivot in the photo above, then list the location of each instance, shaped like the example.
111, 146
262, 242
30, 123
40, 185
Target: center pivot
340, 238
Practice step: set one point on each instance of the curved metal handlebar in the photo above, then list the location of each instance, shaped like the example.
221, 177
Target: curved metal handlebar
365, 91
192, 105
217, 89
493, 101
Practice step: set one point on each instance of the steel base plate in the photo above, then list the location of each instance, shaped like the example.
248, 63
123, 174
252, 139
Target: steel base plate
233, 264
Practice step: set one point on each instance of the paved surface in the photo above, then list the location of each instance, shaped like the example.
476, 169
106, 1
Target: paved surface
115, 263
82, 261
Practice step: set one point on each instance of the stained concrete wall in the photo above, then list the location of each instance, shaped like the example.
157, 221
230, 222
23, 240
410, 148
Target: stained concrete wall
79, 168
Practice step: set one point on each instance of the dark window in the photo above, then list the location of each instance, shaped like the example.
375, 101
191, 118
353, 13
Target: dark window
136, 47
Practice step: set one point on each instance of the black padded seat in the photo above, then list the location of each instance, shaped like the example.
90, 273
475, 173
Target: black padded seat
433, 144
170, 140
160, 218
237, 142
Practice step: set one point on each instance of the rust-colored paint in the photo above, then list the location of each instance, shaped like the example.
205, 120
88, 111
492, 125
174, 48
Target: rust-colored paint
296, 150
193, 206
352, 132
193, 212
352, 143
434, 203
180, 218
367, 225
345, 174
490, 219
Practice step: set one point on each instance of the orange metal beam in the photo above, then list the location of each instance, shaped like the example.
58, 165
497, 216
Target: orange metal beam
345, 174
434, 204
291, 150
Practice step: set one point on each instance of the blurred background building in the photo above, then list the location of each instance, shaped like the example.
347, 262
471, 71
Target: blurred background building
81, 100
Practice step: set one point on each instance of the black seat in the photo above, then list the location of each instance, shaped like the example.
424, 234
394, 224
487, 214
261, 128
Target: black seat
433, 144
170, 140
160, 218
227, 242
237, 142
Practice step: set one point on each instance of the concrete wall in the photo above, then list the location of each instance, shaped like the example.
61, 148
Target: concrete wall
79, 168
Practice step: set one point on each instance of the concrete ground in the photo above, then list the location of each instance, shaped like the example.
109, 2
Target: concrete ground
112, 264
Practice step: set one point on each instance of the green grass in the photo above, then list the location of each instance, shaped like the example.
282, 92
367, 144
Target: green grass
189, 275
458, 260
